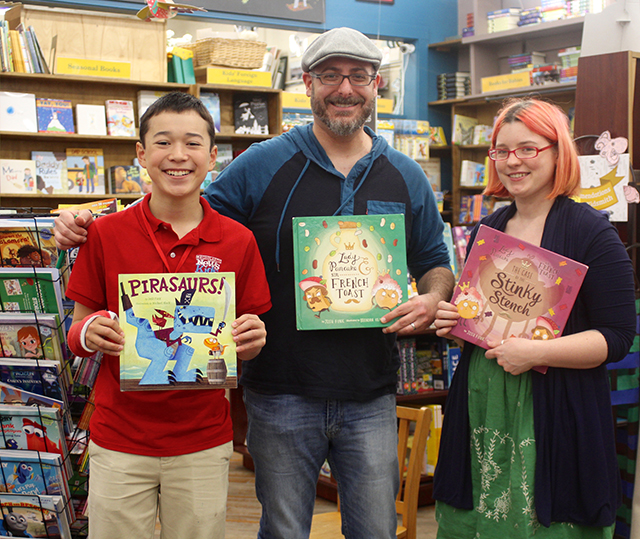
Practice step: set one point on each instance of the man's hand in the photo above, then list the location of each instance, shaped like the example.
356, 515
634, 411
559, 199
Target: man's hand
412, 316
70, 228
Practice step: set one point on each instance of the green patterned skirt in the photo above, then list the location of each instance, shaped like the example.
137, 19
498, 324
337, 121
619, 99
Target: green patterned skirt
503, 459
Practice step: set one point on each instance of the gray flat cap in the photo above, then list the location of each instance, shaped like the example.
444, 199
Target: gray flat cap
343, 43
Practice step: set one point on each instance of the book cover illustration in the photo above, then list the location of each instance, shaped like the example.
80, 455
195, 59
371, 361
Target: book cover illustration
91, 119
462, 132
349, 270
85, 171
177, 331
41, 376
28, 242
29, 290
18, 176
34, 472
125, 179
509, 287
251, 114
18, 112
34, 429
120, 118
54, 115
605, 185
211, 100
51, 172
33, 516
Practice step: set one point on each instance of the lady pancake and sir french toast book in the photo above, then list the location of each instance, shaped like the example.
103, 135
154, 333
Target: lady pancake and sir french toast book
350, 270
511, 288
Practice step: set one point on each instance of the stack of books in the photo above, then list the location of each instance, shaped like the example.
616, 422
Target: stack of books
569, 64
469, 30
525, 61
553, 10
503, 19
20, 51
530, 16
454, 85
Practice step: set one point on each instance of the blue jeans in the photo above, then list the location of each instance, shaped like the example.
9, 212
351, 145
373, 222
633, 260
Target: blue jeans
289, 438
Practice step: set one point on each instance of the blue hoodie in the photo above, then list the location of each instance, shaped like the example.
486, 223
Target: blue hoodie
292, 176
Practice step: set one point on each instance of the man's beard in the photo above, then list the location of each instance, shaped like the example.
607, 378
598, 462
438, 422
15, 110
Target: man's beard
342, 124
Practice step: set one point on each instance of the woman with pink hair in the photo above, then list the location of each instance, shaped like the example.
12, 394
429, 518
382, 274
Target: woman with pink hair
524, 453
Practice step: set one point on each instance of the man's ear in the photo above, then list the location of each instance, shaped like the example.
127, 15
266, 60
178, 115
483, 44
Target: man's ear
308, 80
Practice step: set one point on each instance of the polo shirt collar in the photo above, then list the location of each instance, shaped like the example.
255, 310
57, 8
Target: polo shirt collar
209, 229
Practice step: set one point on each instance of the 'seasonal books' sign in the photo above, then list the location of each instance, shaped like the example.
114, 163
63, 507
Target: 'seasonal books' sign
349, 270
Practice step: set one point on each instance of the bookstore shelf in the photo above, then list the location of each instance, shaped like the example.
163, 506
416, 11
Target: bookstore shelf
534, 31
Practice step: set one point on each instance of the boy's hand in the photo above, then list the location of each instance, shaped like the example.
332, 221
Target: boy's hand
250, 336
105, 335
70, 228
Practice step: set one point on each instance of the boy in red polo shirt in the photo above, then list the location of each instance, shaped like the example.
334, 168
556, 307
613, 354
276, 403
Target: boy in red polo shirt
163, 449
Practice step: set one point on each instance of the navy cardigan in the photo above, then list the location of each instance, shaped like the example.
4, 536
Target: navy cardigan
577, 477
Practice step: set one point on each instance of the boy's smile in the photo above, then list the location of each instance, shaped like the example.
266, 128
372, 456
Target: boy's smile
176, 153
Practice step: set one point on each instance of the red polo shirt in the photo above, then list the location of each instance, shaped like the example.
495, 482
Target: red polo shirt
172, 422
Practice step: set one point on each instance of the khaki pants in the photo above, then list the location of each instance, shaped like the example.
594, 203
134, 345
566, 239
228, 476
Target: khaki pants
189, 492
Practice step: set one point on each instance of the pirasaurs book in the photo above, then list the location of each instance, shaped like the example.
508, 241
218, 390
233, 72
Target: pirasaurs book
511, 288
177, 331
349, 270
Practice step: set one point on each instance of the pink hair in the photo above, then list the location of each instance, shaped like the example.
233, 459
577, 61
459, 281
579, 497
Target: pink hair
548, 121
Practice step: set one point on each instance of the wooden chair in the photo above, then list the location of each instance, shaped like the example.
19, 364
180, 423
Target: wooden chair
328, 525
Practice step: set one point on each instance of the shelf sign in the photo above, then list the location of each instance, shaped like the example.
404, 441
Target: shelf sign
506, 82
385, 106
295, 100
93, 68
238, 77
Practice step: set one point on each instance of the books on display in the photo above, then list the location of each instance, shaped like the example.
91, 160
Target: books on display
178, 331
125, 179
85, 171
511, 288
37, 516
27, 335
251, 114
462, 132
211, 100
28, 242
145, 99
120, 118
54, 115
51, 172
18, 176
18, 112
29, 290
349, 270
91, 119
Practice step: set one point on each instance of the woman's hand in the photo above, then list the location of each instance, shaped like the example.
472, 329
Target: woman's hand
250, 336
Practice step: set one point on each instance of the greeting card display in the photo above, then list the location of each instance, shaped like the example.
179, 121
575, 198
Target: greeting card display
349, 270
511, 288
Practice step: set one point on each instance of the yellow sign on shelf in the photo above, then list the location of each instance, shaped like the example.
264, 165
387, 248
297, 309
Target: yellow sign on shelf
506, 82
385, 106
238, 77
93, 68
295, 100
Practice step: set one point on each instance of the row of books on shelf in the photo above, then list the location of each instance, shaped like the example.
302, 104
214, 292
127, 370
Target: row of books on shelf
28, 113
82, 171
20, 50
454, 85
424, 369
468, 130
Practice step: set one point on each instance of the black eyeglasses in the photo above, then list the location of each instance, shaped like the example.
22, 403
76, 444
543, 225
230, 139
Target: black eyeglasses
335, 79
525, 152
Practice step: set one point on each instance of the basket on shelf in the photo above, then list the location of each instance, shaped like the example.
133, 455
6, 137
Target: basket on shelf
242, 53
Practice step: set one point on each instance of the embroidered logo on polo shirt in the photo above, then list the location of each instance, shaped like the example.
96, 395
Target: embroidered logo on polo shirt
208, 264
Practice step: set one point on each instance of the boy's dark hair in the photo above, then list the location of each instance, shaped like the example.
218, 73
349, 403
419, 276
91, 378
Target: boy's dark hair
177, 102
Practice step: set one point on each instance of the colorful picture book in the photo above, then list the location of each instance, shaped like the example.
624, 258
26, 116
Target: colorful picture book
18, 176
177, 331
251, 114
462, 132
27, 242
125, 179
349, 270
34, 516
35, 473
85, 171
51, 172
121, 121
31, 336
604, 185
35, 428
54, 115
41, 376
29, 290
91, 119
511, 288
432, 170
211, 100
